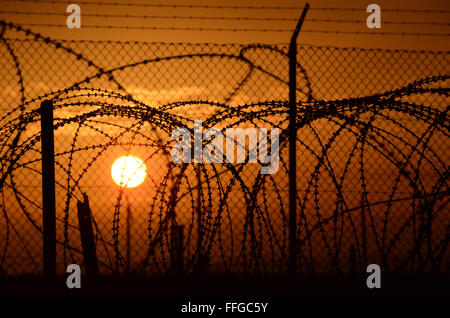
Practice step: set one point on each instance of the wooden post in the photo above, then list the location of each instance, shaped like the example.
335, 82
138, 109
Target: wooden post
48, 190
293, 144
87, 238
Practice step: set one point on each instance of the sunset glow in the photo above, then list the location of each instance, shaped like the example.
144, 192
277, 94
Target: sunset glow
128, 171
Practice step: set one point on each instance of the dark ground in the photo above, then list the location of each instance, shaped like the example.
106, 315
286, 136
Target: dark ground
283, 293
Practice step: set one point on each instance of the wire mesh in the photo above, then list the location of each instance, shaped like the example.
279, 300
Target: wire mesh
372, 155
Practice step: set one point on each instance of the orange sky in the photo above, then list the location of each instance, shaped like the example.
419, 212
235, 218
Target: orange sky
371, 41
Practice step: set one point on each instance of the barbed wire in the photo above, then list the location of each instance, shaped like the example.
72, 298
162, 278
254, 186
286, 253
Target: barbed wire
439, 11
234, 18
200, 6
207, 29
250, 233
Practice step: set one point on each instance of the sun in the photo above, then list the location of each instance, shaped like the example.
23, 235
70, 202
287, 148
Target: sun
128, 171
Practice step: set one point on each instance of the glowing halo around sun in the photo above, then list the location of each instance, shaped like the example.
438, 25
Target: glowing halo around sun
128, 171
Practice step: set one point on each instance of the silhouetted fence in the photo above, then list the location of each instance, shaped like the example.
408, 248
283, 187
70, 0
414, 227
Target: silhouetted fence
372, 156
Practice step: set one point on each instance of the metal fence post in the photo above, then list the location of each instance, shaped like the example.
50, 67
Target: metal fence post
292, 143
48, 189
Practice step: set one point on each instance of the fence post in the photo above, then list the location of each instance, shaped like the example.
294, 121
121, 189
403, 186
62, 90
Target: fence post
292, 143
87, 238
48, 189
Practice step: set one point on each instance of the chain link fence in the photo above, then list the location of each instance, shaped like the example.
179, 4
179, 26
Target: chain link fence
373, 154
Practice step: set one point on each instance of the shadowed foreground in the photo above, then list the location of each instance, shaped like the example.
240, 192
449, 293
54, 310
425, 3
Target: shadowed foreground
394, 286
